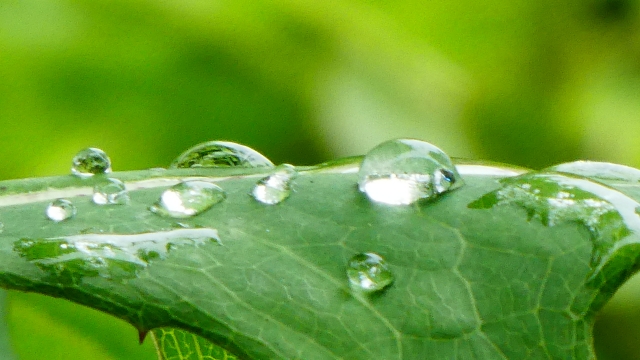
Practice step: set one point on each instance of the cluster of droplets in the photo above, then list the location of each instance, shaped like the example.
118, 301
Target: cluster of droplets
397, 172
88, 163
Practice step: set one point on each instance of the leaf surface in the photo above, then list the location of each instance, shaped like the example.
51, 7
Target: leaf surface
176, 344
477, 274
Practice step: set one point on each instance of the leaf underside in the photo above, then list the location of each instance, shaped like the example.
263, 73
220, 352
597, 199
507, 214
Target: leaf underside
488, 281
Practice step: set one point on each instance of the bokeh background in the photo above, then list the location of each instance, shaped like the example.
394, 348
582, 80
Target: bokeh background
528, 82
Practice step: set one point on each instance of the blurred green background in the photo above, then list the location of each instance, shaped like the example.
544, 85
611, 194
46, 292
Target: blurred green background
528, 82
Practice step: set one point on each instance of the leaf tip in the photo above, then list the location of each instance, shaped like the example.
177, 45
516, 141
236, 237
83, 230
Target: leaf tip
142, 334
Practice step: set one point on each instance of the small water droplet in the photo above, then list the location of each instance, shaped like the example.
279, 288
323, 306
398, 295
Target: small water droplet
220, 154
188, 199
1, 227
60, 209
401, 172
368, 272
89, 162
276, 187
110, 192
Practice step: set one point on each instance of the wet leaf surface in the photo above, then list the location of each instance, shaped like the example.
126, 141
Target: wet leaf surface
494, 281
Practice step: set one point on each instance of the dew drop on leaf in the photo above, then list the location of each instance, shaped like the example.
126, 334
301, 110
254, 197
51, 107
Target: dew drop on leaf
368, 272
220, 154
110, 192
89, 162
403, 171
60, 209
556, 198
188, 199
115, 256
276, 187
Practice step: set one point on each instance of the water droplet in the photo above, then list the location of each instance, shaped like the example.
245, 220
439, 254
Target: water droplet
115, 256
368, 272
1, 227
89, 162
220, 154
60, 209
401, 172
602, 171
188, 199
276, 187
553, 198
110, 192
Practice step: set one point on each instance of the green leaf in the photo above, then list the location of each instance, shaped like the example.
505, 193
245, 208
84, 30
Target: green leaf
498, 269
176, 344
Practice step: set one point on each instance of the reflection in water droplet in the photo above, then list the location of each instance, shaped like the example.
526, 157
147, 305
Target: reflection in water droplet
401, 172
188, 199
220, 154
110, 192
60, 209
276, 187
108, 255
553, 198
368, 272
89, 162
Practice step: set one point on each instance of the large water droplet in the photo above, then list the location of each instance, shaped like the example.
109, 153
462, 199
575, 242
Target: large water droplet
60, 209
220, 154
368, 272
89, 162
188, 199
110, 192
553, 198
276, 187
108, 255
401, 172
